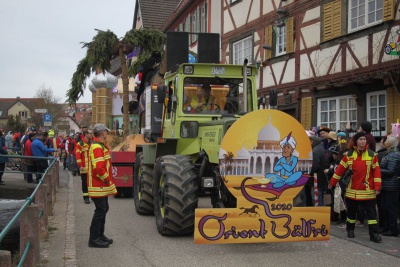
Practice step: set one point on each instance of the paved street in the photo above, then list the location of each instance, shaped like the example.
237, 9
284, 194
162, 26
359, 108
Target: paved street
137, 242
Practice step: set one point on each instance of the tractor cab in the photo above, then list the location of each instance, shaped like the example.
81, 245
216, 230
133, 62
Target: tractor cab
199, 93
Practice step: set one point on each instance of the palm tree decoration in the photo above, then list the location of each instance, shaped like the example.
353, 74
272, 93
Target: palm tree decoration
228, 160
106, 45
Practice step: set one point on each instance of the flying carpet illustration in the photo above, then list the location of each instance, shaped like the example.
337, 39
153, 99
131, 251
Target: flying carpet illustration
275, 183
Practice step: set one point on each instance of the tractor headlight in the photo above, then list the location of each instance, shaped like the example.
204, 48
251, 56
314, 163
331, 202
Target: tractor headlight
249, 71
207, 182
188, 69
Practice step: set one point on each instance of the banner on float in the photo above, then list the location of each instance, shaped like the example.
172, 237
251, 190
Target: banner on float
265, 161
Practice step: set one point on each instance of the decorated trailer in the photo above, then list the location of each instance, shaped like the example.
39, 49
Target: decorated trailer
123, 163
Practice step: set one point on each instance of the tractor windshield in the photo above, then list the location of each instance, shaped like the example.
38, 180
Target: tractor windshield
215, 95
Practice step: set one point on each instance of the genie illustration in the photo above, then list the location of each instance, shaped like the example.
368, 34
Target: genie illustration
285, 165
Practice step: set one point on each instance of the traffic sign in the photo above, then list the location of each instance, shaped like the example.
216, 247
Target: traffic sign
40, 110
47, 119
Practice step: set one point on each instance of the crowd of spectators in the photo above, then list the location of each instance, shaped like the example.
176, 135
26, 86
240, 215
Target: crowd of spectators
366, 175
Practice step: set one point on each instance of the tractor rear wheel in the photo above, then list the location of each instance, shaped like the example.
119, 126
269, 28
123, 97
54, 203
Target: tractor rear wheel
175, 195
142, 187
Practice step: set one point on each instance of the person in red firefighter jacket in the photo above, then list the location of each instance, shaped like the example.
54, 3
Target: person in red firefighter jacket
82, 160
364, 184
100, 185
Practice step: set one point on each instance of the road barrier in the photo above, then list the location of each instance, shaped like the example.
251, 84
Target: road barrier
33, 217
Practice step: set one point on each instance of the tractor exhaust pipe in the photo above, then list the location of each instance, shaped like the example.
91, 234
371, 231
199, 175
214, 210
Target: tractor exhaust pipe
245, 85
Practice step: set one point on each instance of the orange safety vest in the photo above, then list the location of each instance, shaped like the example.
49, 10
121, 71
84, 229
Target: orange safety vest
100, 181
82, 155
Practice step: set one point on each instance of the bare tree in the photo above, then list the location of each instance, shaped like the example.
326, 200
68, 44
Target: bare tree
46, 99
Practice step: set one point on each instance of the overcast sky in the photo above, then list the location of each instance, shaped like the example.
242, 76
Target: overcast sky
40, 41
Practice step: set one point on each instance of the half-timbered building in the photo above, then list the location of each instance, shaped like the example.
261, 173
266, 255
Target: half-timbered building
330, 62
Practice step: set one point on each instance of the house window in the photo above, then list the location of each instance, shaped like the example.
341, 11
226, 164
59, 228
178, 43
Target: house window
243, 49
23, 114
364, 13
336, 112
376, 110
204, 17
187, 24
195, 24
280, 40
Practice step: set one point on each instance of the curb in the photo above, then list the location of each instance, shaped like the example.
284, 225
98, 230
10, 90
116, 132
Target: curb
70, 242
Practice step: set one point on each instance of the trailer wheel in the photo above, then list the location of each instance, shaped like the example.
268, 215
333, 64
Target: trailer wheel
175, 195
142, 187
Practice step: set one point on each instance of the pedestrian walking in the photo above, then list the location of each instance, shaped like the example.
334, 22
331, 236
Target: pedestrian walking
100, 185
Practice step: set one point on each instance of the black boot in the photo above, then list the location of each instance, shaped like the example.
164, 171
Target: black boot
350, 234
106, 239
375, 237
373, 233
98, 243
350, 229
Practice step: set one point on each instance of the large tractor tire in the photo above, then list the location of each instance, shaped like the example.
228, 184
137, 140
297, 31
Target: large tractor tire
175, 195
142, 187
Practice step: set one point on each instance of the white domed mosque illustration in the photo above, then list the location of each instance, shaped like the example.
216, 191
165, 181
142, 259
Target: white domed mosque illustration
261, 159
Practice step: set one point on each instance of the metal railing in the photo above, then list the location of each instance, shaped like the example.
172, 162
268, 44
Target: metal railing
28, 202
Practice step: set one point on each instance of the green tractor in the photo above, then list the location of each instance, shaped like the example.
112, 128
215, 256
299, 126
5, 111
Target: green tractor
186, 119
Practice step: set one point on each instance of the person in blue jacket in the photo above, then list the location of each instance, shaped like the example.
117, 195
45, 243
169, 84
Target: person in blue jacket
3, 160
40, 150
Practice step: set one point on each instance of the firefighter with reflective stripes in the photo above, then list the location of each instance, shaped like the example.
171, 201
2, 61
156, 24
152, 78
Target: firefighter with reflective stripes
82, 160
364, 185
100, 185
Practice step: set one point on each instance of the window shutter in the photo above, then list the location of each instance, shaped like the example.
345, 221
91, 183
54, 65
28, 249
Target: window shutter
332, 20
306, 112
393, 106
388, 10
268, 41
290, 35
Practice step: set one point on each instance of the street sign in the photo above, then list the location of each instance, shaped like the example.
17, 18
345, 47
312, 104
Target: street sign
47, 119
40, 110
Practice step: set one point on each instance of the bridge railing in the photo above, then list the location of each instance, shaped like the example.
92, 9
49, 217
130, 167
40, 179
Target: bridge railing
33, 216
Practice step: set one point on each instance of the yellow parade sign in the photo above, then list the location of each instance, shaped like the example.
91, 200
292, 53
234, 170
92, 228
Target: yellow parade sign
265, 160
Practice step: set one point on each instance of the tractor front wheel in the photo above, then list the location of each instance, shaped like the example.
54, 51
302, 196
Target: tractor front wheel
175, 195
142, 187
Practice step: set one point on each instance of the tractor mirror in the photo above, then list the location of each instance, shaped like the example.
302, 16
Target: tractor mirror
161, 92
